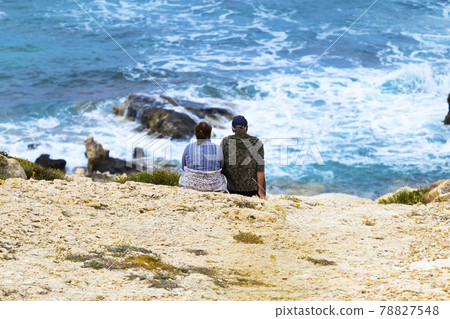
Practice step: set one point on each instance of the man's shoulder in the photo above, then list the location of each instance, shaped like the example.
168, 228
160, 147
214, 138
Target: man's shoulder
252, 138
227, 138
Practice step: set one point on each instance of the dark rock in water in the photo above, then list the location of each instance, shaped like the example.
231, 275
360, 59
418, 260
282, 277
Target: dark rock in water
137, 103
33, 146
171, 118
112, 165
152, 115
99, 160
44, 160
202, 110
447, 118
168, 123
138, 152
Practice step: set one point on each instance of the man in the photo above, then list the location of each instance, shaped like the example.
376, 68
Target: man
243, 161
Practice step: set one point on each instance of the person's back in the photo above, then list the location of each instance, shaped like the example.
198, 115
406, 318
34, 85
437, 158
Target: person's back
243, 161
202, 156
202, 162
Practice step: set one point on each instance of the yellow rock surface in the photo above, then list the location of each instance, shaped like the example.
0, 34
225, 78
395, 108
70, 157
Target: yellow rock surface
181, 245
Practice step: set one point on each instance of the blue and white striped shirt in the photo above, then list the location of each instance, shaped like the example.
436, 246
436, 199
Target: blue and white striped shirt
205, 156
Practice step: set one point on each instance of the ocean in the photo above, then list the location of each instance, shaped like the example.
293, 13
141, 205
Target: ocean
365, 118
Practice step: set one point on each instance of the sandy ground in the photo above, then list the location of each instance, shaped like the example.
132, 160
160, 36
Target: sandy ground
330, 247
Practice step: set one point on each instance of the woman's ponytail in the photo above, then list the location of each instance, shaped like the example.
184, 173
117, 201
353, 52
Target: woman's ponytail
203, 131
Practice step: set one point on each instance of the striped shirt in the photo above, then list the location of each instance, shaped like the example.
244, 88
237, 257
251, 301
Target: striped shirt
205, 156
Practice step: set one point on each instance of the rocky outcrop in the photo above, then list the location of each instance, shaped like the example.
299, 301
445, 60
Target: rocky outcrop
118, 110
151, 113
388, 195
152, 242
203, 111
175, 119
46, 161
10, 168
99, 159
447, 118
439, 191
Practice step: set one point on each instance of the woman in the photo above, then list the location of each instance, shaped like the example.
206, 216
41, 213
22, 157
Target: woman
202, 162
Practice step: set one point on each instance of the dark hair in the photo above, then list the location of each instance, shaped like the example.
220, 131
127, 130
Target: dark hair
203, 131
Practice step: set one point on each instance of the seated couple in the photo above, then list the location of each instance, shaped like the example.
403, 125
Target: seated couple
236, 166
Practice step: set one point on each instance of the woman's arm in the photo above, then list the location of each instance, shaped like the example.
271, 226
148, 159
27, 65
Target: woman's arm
183, 158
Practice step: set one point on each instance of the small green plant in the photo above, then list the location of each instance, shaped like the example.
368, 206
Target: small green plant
247, 238
162, 277
122, 249
292, 198
36, 171
39, 172
369, 222
245, 204
157, 177
198, 252
129, 257
123, 256
321, 262
147, 262
97, 264
406, 197
247, 282
78, 258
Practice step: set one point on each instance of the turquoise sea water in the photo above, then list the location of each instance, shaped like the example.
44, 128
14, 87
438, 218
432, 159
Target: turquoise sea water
371, 108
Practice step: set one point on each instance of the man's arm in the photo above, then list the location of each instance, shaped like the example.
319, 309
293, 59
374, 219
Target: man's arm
261, 192
260, 173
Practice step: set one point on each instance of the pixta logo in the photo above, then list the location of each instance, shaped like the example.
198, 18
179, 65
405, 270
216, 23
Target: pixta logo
148, 150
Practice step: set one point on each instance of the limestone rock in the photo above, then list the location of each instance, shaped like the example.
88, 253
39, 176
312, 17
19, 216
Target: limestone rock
439, 190
54, 234
80, 172
99, 159
118, 110
11, 168
94, 150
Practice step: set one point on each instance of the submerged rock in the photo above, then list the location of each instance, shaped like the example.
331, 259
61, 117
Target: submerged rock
33, 146
10, 168
176, 119
46, 161
439, 191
